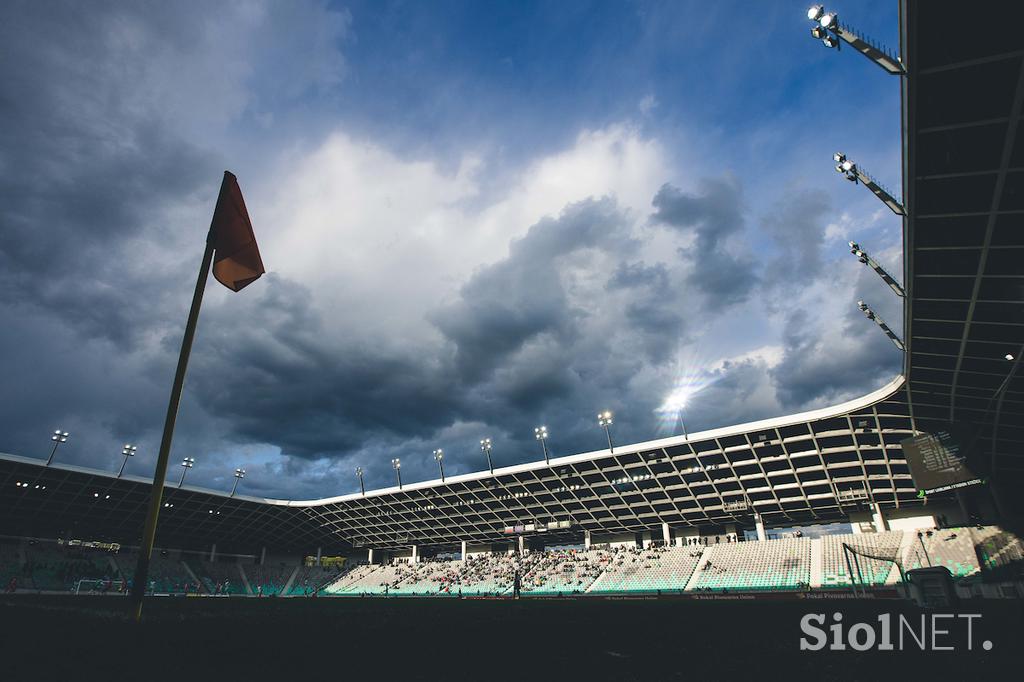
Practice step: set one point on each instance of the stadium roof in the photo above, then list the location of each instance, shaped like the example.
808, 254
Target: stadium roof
964, 273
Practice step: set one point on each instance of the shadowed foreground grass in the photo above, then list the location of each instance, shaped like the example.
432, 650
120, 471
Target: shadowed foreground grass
91, 638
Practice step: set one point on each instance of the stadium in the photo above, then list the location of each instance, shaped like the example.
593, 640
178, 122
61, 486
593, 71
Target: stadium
617, 549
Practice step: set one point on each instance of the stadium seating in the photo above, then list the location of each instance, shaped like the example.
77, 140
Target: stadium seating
313, 579
566, 571
771, 565
873, 571
272, 576
949, 547
998, 550
647, 570
214, 574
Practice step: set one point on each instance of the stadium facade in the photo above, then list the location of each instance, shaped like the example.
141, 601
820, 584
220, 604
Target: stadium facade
963, 198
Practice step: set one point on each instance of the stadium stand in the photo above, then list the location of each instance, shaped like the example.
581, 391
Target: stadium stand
563, 571
949, 547
218, 578
272, 576
783, 564
647, 570
873, 571
312, 579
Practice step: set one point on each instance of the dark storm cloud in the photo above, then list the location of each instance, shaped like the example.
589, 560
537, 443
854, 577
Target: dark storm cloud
505, 305
822, 367
723, 275
797, 225
651, 312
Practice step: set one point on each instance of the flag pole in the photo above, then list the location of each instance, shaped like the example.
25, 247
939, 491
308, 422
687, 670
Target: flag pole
149, 531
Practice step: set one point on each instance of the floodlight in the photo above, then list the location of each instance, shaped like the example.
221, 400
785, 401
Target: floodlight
815, 12
1008, 356
541, 434
485, 445
58, 437
818, 32
127, 451
439, 458
829, 20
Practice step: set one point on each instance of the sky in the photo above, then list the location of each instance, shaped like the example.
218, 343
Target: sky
476, 218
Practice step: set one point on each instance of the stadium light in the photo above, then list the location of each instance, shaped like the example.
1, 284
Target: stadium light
439, 458
1008, 356
485, 446
604, 420
359, 473
127, 451
856, 175
541, 434
239, 475
186, 464
675, 403
396, 464
871, 315
866, 259
830, 32
58, 437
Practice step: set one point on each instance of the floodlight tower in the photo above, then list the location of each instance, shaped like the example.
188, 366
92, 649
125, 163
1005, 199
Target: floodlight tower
867, 260
857, 175
439, 458
127, 451
541, 434
58, 437
604, 420
239, 475
870, 314
186, 464
485, 445
359, 473
396, 464
830, 32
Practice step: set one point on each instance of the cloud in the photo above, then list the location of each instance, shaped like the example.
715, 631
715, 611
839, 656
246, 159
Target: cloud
721, 271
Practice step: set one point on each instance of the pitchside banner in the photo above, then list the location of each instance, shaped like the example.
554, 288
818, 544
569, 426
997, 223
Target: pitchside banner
942, 460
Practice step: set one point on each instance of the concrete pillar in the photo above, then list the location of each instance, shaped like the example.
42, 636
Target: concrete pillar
369, 556
318, 552
213, 552
522, 545
879, 518
415, 556
666, 534
586, 539
464, 555
759, 526
263, 556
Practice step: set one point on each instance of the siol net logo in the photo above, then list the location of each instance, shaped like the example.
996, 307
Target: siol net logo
929, 632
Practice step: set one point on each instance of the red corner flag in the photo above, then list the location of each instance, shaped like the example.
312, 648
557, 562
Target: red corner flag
236, 261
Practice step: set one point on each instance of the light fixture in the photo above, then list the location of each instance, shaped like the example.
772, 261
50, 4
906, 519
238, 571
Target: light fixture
239, 475
396, 464
127, 451
186, 464
815, 12
604, 420
359, 473
439, 458
541, 434
485, 445
829, 20
1008, 356
58, 437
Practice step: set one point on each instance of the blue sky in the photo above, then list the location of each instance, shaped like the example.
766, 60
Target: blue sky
476, 217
